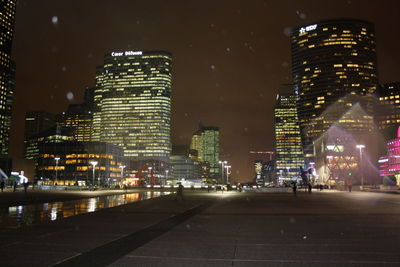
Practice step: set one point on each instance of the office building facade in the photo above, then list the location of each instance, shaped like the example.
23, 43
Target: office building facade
330, 60
132, 104
36, 122
210, 148
288, 146
197, 144
55, 134
7, 71
79, 118
74, 163
388, 117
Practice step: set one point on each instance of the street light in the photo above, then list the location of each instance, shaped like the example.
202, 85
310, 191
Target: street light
94, 163
222, 169
359, 167
56, 159
227, 173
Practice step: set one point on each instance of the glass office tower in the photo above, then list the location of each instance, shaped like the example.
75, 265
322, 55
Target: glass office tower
7, 71
132, 103
330, 60
389, 109
288, 146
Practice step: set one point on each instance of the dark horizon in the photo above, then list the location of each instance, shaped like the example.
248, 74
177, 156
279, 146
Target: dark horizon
228, 60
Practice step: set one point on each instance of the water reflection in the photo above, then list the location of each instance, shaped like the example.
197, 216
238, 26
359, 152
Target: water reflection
17, 216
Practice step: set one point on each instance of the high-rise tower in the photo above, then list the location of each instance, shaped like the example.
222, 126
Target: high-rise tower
132, 103
7, 71
330, 60
289, 152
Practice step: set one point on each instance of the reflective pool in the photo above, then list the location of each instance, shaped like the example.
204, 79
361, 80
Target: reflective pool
17, 216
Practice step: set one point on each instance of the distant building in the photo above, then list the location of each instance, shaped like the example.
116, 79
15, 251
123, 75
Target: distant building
132, 104
331, 59
74, 164
210, 138
388, 113
206, 142
288, 147
7, 72
79, 117
184, 168
36, 122
268, 173
259, 159
197, 144
56, 134
88, 98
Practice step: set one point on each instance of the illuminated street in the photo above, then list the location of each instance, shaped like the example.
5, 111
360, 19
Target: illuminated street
327, 228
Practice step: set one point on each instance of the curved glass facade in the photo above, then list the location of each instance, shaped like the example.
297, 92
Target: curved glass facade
330, 60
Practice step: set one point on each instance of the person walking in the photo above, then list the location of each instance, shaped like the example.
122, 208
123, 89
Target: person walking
350, 186
2, 185
179, 192
15, 186
294, 189
309, 188
26, 184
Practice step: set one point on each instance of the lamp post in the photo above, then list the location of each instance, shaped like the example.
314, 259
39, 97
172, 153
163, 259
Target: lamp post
56, 159
222, 169
227, 173
359, 166
166, 176
94, 163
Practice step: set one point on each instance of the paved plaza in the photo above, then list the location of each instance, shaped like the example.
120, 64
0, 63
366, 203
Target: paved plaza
325, 228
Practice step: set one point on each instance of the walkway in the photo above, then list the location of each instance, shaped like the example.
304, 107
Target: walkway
213, 229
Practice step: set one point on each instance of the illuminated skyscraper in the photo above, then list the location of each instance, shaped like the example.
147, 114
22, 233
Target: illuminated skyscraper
389, 110
79, 118
132, 103
197, 144
206, 142
7, 71
330, 60
288, 146
210, 147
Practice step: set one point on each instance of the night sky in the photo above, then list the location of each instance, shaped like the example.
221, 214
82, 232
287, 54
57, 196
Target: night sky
229, 58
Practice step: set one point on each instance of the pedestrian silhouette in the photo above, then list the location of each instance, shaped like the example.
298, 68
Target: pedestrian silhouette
349, 186
179, 192
26, 186
309, 188
294, 189
2, 185
15, 186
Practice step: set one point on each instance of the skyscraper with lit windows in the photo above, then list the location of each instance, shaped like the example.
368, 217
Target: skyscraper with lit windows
132, 103
388, 117
288, 146
210, 148
206, 142
7, 71
197, 144
331, 59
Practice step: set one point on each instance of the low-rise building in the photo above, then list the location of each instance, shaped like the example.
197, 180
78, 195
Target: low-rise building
79, 163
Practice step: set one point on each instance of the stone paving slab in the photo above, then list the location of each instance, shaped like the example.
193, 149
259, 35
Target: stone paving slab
248, 229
